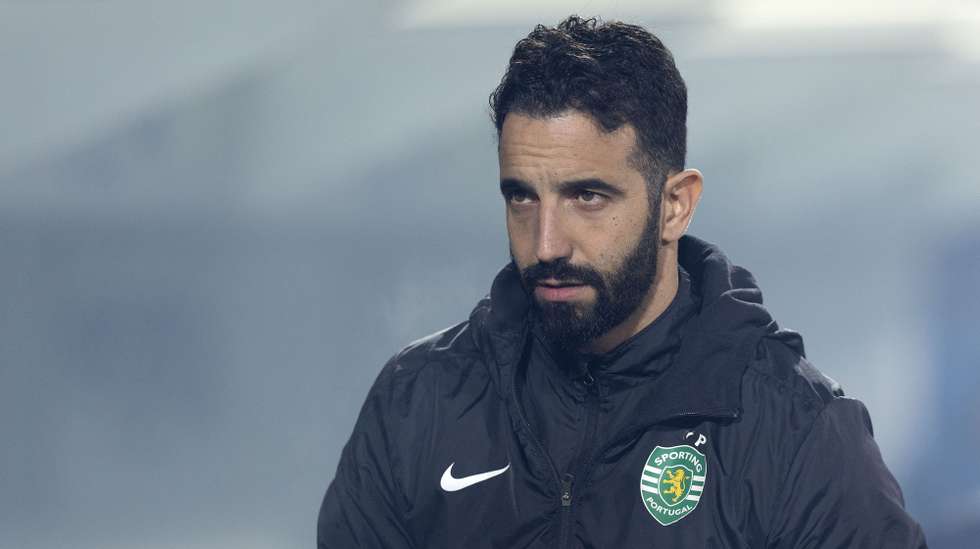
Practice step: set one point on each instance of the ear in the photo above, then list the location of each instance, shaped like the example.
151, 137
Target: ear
679, 198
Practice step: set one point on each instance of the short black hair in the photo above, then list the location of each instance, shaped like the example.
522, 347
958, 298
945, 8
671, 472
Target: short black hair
615, 72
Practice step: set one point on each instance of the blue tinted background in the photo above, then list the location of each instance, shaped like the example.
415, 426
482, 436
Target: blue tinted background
217, 222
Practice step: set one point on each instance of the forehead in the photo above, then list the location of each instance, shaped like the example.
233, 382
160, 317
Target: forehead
568, 144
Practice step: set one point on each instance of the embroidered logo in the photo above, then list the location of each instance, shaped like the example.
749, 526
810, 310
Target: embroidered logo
672, 482
450, 483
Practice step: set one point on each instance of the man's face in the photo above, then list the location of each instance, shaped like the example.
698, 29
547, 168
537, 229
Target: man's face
578, 218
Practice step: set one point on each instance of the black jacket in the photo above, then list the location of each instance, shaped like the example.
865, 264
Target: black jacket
707, 429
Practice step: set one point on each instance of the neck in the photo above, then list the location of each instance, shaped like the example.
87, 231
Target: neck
655, 302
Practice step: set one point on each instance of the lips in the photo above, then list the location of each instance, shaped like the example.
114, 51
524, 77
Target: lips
554, 290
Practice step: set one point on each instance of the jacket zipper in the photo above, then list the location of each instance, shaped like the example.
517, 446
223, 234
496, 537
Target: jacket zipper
537, 443
585, 468
565, 483
584, 457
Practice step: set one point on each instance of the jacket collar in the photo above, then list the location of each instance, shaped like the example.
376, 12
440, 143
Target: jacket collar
718, 343
716, 346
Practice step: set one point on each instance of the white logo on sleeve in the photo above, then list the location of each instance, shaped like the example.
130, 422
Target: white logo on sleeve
450, 483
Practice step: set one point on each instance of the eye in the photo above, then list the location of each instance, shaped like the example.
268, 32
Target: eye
590, 198
518, 197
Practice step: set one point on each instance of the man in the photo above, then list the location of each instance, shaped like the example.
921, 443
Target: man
622, 384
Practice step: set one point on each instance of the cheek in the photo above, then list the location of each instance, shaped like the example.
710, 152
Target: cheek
520, 240
613, 242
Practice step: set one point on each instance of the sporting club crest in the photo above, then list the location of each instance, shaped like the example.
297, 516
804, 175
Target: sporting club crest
672, 482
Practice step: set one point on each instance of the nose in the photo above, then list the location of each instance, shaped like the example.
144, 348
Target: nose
552, 242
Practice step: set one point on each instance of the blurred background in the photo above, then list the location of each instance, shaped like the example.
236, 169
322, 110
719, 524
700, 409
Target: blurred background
219, 219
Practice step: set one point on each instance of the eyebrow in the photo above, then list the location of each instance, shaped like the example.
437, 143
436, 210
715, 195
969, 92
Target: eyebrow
510, 184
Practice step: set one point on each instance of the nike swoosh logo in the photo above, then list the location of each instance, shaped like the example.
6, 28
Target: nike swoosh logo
450, 483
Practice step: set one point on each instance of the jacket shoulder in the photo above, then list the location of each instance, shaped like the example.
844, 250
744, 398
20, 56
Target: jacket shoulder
819, 462
445, 347
783, 373
445, 366
782, 397
782, 394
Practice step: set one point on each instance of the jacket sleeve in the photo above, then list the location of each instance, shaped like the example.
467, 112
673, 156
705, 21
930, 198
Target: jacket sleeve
838, 491
361, 507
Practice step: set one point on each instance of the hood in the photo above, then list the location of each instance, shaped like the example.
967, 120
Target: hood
731, 301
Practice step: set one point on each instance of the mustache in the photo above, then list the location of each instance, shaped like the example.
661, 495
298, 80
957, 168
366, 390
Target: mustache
562, 270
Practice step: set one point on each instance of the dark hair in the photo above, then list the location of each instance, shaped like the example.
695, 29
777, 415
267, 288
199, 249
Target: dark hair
613, 71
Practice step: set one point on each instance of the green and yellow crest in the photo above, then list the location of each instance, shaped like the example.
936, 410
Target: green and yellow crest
672, 482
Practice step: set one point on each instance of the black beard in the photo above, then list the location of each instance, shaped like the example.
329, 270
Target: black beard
571, 326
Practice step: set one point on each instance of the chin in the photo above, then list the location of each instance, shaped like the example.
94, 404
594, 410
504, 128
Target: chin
581, 308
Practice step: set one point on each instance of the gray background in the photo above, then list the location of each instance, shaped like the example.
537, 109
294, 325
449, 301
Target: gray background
218, 220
